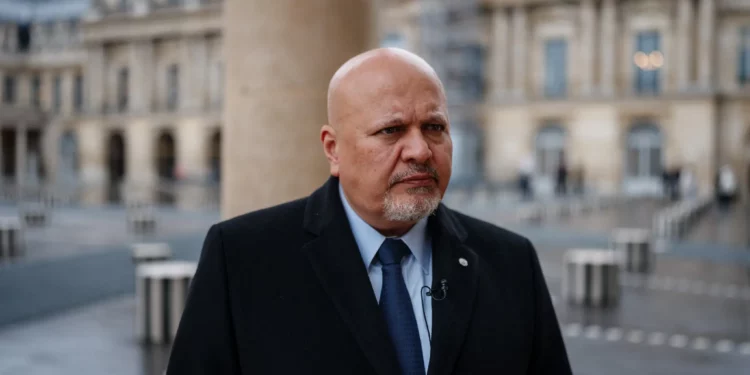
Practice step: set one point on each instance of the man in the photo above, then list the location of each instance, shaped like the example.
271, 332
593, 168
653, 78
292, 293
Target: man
371, 274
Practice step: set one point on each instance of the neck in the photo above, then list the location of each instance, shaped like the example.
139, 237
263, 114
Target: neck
394, 231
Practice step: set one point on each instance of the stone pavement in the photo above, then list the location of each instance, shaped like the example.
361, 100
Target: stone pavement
691, 315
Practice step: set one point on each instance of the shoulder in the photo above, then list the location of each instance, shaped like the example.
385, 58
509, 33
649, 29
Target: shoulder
267, 221
488, 238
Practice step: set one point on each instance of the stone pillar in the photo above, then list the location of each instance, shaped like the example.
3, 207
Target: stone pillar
520, 39
500, 52
587, 47
95, 79
275, 58
191, 154
21, 145
92, 147
141, 76
684, 48
608, 44
706, 28
50, 151
140, 161
2, 154
193, 73
23, 89
66, 91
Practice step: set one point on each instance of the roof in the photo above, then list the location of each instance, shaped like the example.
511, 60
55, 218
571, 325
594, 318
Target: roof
42, 10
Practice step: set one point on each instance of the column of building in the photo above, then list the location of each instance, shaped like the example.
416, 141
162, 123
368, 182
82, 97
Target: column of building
684, 36
706, 51
303, 56
520, 41
191, 134
140, 136
21, 151
608, 44
587, 46
501, 53
95, 79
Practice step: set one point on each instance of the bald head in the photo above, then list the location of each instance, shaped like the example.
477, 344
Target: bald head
369, 70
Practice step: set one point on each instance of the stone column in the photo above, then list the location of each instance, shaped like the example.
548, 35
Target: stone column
2, 154
191, 149
21, 145
95, 79
275, 58
587, 47
140, 161
500, 52
684, 48
608, 44
141, 76
193, 73
66, 91
706, 28
92, 147
50, 151
520, 58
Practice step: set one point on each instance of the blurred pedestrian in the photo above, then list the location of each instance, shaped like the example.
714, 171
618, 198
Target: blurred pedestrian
561, 178
525, 175
727, 186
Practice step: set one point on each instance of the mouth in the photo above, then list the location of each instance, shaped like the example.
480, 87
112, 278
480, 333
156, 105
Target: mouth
419, 179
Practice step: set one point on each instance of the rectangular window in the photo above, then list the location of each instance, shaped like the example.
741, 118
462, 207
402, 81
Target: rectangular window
36, 91
173, 87
57, 94
122, 89
555, 67
743, 66
78, 93
9, 90
648, 60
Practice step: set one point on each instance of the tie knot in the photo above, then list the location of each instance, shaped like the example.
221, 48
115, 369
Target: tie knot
392, 251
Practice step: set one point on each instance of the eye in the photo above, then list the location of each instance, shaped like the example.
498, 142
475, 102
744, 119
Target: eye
390, 130
435, 127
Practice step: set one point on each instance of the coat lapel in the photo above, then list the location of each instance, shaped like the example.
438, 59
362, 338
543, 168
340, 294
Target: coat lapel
457, 264
335, 257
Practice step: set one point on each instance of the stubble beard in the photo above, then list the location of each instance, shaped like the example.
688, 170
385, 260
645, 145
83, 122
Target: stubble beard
418, 203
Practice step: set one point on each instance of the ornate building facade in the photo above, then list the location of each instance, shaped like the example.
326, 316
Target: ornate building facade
110, 91
620, 89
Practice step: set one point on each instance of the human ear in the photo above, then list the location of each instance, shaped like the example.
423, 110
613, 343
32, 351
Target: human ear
330, 148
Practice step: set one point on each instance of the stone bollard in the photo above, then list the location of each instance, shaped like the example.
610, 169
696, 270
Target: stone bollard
529, 214
151, 252
161, 290
11, 238
634, 249
34, 215
591, 278
142, 221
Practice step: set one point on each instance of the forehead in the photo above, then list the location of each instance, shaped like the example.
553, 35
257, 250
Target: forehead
400, 91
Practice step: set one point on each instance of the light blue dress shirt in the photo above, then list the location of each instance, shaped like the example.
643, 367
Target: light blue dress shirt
417, 267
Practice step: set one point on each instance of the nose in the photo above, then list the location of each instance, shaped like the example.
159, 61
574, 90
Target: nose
416, 149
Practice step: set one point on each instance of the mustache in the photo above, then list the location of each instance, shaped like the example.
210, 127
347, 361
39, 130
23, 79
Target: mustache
415, 169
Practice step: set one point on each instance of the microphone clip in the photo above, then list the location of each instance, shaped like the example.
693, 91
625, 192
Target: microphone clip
443, 291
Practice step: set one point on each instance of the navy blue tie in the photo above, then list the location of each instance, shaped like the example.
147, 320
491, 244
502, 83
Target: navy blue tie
397, 309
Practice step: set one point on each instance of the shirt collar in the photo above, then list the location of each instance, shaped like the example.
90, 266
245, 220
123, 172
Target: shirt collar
369, 240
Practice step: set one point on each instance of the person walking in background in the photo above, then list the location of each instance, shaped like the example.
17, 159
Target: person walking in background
726, 186
525, 175
561, 177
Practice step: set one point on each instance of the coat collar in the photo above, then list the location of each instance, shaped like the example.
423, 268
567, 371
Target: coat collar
338, 265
